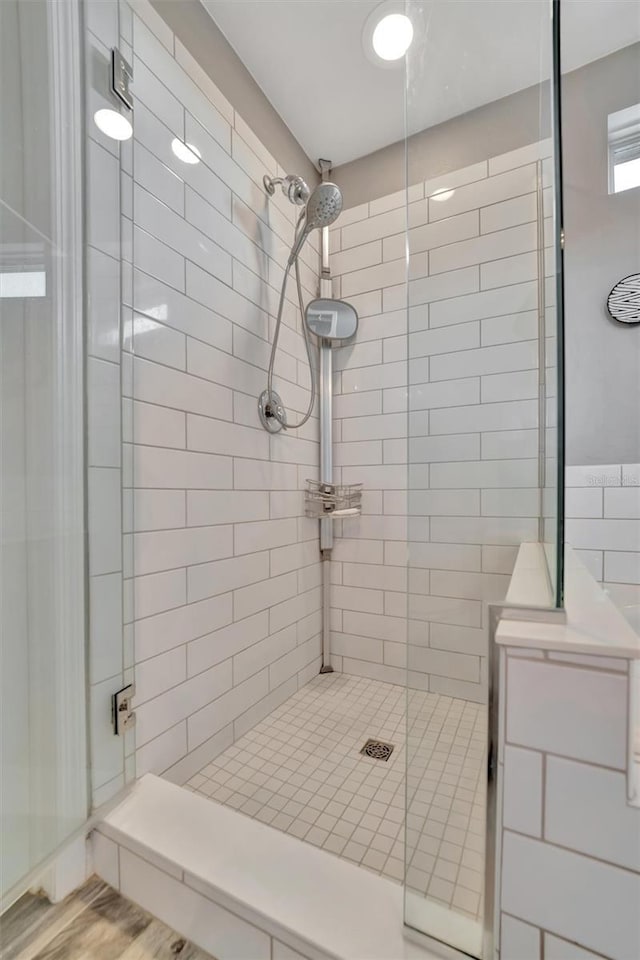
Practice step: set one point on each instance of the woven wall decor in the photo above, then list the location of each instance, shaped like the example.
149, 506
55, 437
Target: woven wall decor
623, 303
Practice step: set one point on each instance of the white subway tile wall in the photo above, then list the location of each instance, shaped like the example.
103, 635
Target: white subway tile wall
455, 397
225, 566
220, 566
603, 526
567, 883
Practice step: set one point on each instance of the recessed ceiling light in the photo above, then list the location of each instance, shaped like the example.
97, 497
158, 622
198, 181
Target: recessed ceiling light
185, 151
441, 194
113, 124
387, 34
392, 36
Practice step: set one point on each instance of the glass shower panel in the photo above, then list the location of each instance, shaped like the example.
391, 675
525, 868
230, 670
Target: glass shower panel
479, 178
43, 795
601, 139
551, 395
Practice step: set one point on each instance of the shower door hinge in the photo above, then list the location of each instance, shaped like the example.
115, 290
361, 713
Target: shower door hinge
121, 77
122, 716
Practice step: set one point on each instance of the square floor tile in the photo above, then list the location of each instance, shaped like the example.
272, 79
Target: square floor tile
300, 770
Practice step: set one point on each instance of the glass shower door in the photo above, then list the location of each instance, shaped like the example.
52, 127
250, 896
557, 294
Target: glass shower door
481, 295
43, 796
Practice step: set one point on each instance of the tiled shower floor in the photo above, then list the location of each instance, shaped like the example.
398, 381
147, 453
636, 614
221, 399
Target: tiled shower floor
300, 770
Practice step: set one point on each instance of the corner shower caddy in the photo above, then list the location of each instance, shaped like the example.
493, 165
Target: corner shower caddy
322, 499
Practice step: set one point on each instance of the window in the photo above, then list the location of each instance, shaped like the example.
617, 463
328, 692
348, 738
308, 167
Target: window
624, 149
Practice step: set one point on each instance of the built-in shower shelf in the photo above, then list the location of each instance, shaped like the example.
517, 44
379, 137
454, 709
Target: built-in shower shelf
332, 499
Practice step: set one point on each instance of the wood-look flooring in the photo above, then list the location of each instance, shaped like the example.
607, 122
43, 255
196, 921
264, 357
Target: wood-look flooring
94, 923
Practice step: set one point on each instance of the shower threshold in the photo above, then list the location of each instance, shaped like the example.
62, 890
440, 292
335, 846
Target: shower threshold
214, 869
237, 888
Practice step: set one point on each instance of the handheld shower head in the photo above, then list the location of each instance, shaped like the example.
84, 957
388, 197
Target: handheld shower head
323, 207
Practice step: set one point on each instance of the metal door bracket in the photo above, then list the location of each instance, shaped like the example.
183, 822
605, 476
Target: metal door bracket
122, 715
121, 77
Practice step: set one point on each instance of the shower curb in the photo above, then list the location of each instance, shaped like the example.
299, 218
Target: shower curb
238, 888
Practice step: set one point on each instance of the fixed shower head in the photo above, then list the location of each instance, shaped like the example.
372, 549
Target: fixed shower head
293, 187
323, 207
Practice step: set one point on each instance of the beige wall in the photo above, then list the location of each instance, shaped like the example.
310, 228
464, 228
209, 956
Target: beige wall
490, 130
602, 247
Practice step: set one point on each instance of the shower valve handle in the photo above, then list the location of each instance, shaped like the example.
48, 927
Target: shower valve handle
280, 414
275, 411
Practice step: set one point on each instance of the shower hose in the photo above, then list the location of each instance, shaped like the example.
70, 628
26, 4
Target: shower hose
276, 410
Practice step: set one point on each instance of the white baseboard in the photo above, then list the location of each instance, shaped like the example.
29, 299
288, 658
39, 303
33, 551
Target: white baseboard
72, 867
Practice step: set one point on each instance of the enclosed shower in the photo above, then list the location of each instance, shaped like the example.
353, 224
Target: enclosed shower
296, 654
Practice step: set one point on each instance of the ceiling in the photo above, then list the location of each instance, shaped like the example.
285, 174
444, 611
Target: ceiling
308, 58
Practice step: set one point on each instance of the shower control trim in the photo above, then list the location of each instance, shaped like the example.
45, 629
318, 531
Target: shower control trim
268, 404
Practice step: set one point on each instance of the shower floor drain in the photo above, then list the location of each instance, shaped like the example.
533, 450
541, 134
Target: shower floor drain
377, 749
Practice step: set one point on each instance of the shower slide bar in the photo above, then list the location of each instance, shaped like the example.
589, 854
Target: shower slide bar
326, 442
329, 320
